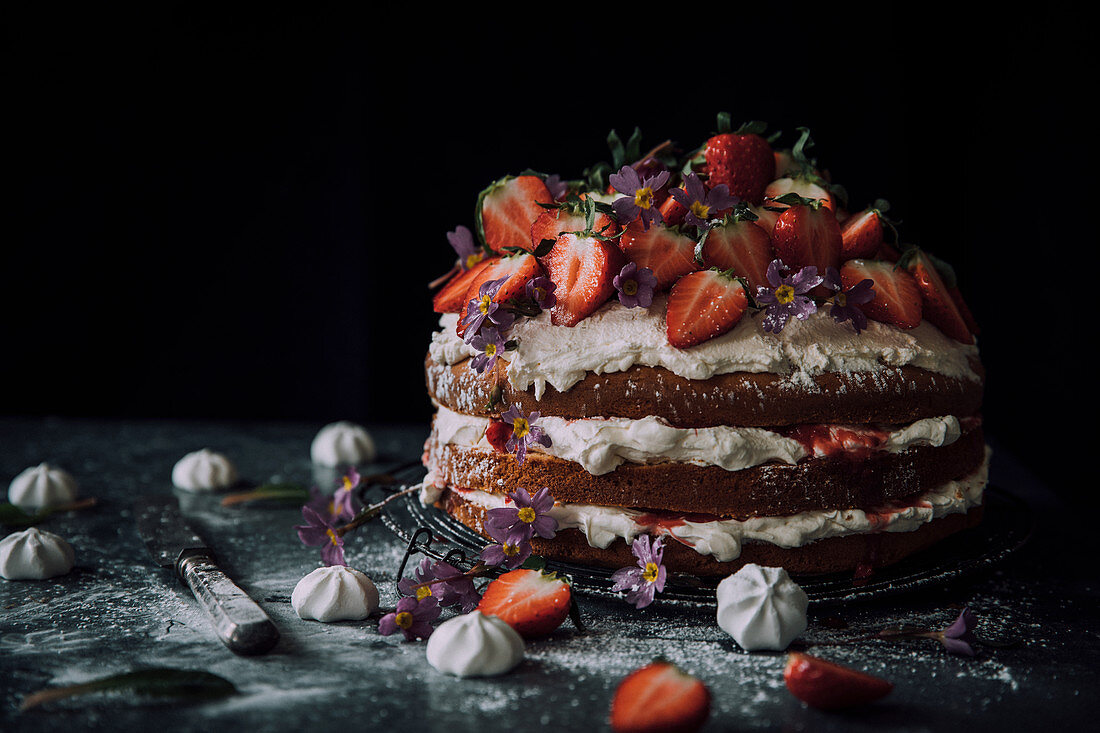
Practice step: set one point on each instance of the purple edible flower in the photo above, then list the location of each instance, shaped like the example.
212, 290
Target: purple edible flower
318, 531
700, 203
341, 504
787, 296
528, 516
641, 583
557, 187
509, 555
958, 638
469, 254
489, 342
452, 587
484, 308
524, 432
635, 285
412, 618
639, 196
541, 290
843, 304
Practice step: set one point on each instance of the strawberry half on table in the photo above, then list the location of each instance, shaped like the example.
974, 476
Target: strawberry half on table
507, 209
532, 602
831, 686
704, 305
659, 698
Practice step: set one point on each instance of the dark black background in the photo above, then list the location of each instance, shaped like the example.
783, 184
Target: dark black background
236, 217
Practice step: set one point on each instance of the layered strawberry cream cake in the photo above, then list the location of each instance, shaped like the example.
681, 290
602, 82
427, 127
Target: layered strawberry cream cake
709, 348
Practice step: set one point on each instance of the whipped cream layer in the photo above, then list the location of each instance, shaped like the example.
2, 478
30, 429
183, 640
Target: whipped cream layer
602, 444
615, 338
722, 538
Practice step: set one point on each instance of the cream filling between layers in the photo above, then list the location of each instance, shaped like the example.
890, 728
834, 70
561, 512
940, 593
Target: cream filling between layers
602, 444
722, 539
615, 338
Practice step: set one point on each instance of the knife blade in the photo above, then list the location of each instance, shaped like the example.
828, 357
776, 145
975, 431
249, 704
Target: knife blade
238, 621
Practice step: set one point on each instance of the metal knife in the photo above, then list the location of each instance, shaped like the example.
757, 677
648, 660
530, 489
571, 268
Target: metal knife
239, 622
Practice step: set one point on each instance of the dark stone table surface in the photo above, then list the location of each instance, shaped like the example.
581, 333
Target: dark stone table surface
116, 612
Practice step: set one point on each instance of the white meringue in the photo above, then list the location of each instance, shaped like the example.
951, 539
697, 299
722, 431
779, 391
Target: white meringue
342, 443
474, 645
204, 470
40, 487
34, 555
761, 608
335, 593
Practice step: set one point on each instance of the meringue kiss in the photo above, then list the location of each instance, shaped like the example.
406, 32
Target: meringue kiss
34, 555
475, 645
761, 608
204, 470
40, 487
342, 443
335, 593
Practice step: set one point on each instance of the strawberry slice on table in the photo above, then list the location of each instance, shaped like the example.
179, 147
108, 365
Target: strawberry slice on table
741, 159
451, 297
583, 269
518, 269
669, 253
659, 698
740, 245
507, 209
939, 307
703, 305
807, 233
831, 686
532, 602
897, 298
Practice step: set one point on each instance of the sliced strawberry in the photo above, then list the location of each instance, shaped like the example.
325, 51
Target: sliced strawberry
532, 602
518, 269
497, 434
703, 305
450, 298
553, 222
742, 246
939, 308
667, 252
807, 234
831, 686
658, 698
743, 161
804, 187
583, 269
861, 235
673, 212
509, 207
897, 298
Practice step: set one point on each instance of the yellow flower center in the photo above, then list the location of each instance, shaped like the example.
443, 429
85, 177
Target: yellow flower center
473, 259
490, 349
643, 197
630, 287
509, 550
520, 427
527, 514
483, 306
333, 537
840, 299
700, 210
651, 571
784, 294
540, 294
332, 511
424, 592
403, 619
347, 483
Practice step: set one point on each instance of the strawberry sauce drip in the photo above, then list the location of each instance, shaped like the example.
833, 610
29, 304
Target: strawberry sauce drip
823, 441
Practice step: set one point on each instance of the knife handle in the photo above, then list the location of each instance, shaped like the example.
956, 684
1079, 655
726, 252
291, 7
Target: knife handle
238, 621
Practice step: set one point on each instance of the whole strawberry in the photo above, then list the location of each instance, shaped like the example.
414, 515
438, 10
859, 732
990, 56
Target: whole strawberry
742, 159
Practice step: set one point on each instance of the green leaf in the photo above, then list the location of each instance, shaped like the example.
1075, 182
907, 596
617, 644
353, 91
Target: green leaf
181, 684
13, 516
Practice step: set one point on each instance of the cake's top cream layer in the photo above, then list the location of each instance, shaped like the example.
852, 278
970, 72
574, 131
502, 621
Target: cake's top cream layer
615, 338
723, 538
602, 444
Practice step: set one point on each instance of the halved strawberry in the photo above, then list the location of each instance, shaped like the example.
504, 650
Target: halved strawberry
803, 186
518, 269
742, 160
497, 434
861, 235
897, 298
739, 245
673, 212
669, 253
939, 307
508, 208
583, 269
807, 234
703, 305
532, 602
658, 698
831, 686
450, 298
552, 222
